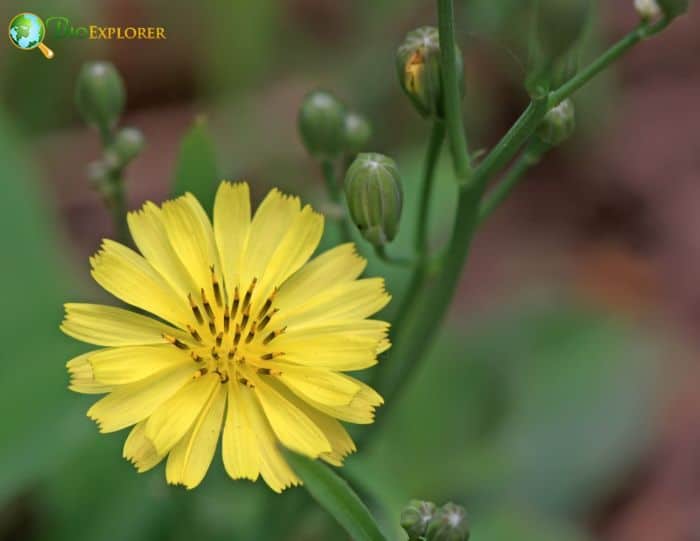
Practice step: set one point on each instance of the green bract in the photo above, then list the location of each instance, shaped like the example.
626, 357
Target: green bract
375, 197
558, 124
419, 68
321, 124
99, 94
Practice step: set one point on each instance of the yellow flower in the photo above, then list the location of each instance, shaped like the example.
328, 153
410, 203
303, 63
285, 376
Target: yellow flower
250, 339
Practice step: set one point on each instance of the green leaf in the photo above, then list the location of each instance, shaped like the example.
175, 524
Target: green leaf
196, 171
335, 495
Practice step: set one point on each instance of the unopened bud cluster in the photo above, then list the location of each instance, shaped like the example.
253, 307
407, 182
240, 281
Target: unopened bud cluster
100, 97
328, 130
423, 521
419, 67
558, 124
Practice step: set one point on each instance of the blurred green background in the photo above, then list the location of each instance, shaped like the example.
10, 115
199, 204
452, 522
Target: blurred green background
555, 405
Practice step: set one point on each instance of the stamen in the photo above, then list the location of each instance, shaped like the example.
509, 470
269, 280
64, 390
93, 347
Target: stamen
207, 306
175, 342
236, 302
246, 382
196, 358
266, 319
274, 334
227, 319
231, 354
195, 309
201, 372
237, 335
223, 377
268, 304
249, 293
194, 333
251, 334
246, 316
212, 328
219, 339
214, 354
270, 356
216, 287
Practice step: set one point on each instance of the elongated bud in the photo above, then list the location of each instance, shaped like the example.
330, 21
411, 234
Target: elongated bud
100, 95
647, 9
448, 524
674, 8
415, 518
420, 73
375, 197
558, 124
558, 28
321, 124
128, 143
357, 132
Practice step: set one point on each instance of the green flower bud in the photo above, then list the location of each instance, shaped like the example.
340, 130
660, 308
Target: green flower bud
558, 124
448, 524
356, 132
647, 9
321, 124
558, 28
415, 518
128, 143
100, 95
375, 197
674, 8
420, 74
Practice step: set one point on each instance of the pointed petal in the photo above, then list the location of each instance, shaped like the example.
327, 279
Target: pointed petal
117, 366
239, 445
139, 450
82, 379
231, 228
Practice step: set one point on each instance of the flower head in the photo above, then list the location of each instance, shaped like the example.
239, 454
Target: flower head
250, 339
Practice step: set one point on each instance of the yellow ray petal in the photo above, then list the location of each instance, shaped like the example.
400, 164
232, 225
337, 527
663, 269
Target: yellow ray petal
110, 326
338, 265
351, 300
294, 249
273, 218
190, 459
129, 277
117, 366
139, 450
129, 404
174, 417
239, 444
323, 386
231, 228
328, 351
294, 429
151, 238
273, 467
359, 411
192, 238
82, 379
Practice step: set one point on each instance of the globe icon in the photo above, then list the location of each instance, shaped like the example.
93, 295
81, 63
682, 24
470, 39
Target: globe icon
27, 32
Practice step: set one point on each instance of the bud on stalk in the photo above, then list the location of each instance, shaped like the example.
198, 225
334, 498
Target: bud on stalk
100, 95
375, 197
321, 124
647, 9
415, 518
357, 132
128, 143
420, 70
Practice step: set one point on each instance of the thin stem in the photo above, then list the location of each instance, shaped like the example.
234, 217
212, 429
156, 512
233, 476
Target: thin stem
644, 31
501, 191
452, 93
336, 195
117, 204
437, 136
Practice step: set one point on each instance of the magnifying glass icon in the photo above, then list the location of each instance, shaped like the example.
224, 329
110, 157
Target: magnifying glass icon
27, 31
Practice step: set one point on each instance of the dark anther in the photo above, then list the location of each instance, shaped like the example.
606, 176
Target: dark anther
194, 333
251, 335
237, 335
227, 319
219, 339
195, 309
212, 328
216, 287
175, 342
249, 293
196, 358
236, 302
214, 354
207, 306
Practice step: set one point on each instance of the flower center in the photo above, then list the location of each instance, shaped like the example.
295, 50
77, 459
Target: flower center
232, 333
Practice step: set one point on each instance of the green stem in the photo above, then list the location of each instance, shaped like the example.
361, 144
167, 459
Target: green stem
501, 191
117, 204
642, 32
437, 136
336, 195
392, 260
452, 93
